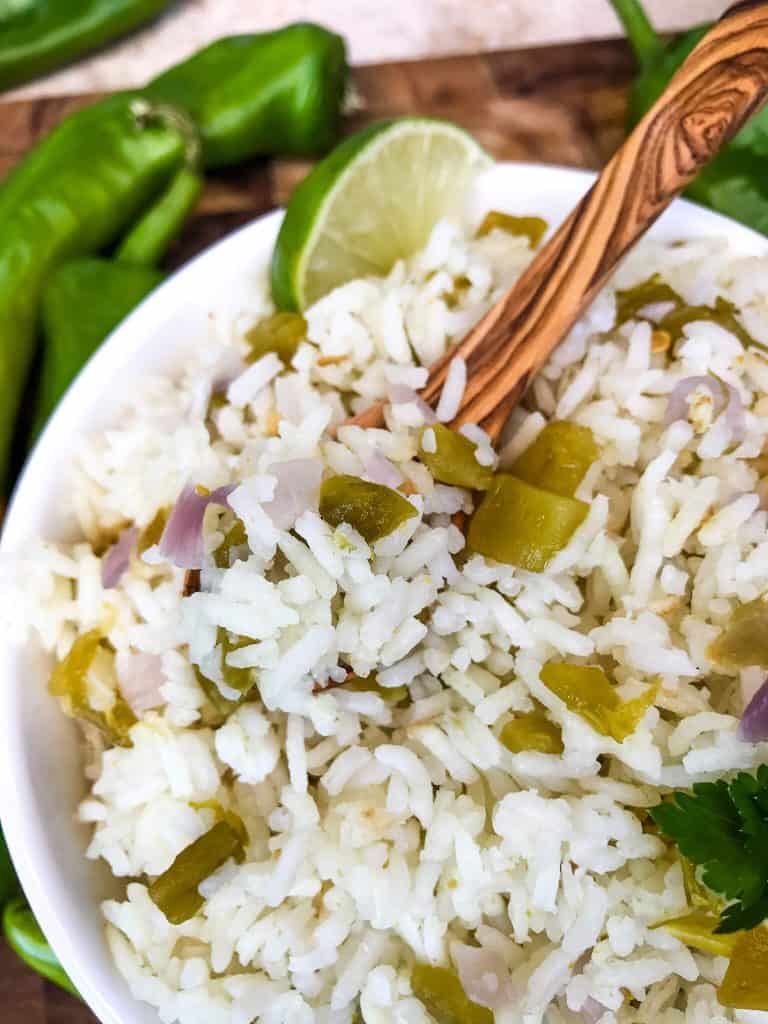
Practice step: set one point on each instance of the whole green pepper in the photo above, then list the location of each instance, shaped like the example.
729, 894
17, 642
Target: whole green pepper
23, 934
9, 884
86, 299
734, 182
40, 35
146, 243
83, 303
275, 92
71, 196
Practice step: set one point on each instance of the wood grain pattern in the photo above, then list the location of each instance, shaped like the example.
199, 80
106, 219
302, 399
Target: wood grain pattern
559, 104
722, 83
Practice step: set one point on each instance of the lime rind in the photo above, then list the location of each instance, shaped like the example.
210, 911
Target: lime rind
372, 201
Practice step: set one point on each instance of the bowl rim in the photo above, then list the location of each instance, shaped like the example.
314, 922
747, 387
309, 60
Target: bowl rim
106, 993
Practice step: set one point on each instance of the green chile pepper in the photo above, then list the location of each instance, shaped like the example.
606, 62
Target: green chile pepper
23, 934
275, 92
103, 293
734, 182
37, 36
175, 892
9, 884
453, 459
71, 196
372, 509
441, 992
523, 525
149, 238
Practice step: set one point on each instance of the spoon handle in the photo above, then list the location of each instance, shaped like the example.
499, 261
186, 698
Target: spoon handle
722, 83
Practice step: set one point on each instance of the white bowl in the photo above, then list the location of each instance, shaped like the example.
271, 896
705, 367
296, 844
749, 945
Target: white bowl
40, 770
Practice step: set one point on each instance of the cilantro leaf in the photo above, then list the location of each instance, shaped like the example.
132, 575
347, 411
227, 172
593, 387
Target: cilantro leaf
723, 827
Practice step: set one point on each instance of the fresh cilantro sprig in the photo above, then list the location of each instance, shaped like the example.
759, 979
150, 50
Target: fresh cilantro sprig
723, 827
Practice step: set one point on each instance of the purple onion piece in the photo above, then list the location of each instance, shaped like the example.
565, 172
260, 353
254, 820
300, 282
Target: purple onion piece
380, 470
182, 539
592, 1011
753, 727
401, 395
677, 406
140, 677
484, 976
735, 415
297, 489
228, 369
116, 561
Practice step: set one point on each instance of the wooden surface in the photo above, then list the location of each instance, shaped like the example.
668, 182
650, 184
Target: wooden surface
562, 104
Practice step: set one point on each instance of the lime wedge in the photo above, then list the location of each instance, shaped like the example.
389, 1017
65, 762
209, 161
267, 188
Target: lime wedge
369, 203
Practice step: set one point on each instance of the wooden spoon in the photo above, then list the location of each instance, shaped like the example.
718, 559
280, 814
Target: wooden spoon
721, 84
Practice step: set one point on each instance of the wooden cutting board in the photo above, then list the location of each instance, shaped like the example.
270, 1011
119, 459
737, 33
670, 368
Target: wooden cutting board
560, 104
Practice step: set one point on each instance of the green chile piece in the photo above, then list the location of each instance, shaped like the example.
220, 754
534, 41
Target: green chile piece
372, 509
523, 525
175, 892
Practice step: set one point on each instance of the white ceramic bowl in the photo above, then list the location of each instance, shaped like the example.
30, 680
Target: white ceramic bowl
41, 780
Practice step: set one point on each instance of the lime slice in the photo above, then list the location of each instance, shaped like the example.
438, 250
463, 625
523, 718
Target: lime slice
369, 203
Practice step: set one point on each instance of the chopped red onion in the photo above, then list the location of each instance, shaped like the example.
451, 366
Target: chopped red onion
592, 1011
227, 369
677, 406
116, 561
182, 539
297, 489
140, 677
753, 727
735, 416
483, 975
380, 470
401, 395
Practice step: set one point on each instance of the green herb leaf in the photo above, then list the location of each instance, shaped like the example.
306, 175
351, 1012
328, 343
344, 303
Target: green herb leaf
723, 827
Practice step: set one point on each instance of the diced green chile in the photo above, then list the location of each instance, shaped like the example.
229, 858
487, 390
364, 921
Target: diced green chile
745, 985
240, 679
370, 684
532, 228
532, 731
281, 333
69, 680
697, 929
175, 892
220, 704
587, 691
632, 301
234, 538
558, 459
153, 531
722, 313
371, 509
523, 525
453, 461
744, 641
442, 995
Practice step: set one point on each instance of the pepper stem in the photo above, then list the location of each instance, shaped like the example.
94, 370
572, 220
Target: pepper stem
148, 112
640, 32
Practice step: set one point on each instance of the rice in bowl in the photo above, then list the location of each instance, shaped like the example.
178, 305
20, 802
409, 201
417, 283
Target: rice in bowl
388, 825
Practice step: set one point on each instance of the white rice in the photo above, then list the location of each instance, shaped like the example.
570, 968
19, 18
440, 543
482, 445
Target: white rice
380, 833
